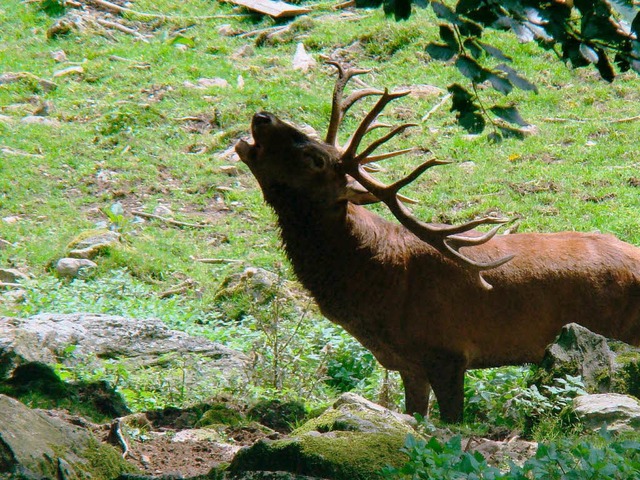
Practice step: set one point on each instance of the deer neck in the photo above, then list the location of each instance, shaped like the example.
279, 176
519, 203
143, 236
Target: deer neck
338, 253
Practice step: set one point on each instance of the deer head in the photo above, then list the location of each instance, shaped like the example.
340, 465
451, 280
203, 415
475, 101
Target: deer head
328, 175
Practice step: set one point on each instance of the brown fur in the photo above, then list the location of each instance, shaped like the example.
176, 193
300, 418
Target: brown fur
417, 311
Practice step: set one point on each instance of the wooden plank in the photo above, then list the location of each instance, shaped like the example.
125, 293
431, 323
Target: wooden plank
272, 8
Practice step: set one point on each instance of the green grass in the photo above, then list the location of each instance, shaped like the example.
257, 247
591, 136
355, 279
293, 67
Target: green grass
122, 136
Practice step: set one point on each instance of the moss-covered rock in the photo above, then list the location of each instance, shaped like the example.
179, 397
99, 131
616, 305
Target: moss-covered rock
352, 413
220, 414
334, 455
604, 365
36, 445
353, 440
627, 369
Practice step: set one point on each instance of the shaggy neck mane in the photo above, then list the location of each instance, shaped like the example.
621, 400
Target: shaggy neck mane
335, 252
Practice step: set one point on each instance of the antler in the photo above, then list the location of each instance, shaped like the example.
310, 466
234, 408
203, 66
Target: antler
448, 239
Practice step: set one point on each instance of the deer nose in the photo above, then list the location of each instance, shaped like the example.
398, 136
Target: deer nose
262, 118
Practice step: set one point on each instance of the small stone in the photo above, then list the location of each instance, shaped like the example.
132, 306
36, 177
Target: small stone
468, 167
163, 211
243, 52
73, 70
212, 82
204, 83
230, 170
91, 245
228, 155
227, 30
302, 60
59, 56
72, 267
15, 295
424, 91
36, 119
11, 220
60, 28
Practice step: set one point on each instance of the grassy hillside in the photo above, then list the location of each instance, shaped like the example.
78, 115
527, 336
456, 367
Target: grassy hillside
134, 123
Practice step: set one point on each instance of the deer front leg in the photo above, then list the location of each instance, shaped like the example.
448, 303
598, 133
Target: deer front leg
416, 393
446, 373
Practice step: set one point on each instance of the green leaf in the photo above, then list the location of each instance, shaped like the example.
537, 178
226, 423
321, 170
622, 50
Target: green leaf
448, 36
509, 132
439, 51
467, 115
444, 12
500, 83
495, 52
604, 67
518, 81
635, 25
588, 53
183, 40
472, 46
509, 114
471, 121
471, 69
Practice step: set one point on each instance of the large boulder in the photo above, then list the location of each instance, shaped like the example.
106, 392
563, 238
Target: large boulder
604, 365
47, 338
353, 440
36, 445
80, 344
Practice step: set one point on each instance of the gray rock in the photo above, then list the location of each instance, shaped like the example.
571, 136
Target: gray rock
578, 351
137, 343
352, 440
74, 267
90, 246
260, 285
34, 444
12, 275
618, 412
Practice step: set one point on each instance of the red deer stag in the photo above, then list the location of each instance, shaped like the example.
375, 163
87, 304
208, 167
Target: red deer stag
429, 300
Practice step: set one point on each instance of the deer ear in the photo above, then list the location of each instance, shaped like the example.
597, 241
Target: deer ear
318, 160
356, 193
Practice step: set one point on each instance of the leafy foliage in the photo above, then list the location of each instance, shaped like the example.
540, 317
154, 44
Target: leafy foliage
507, 398
563, 460
600, 33
349, 364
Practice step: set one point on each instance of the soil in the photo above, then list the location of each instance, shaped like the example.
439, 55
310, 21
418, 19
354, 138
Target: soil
181, 453
161, 455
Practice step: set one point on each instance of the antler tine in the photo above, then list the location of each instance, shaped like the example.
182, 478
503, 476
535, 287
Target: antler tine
440, 236
382, 140
384, 156
350, 152
340, 107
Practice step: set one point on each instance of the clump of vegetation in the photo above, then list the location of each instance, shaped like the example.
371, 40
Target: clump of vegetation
601, 457
278, 415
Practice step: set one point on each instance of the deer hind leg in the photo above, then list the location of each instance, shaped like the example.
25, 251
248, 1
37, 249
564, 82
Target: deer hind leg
446, 373
416, 393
